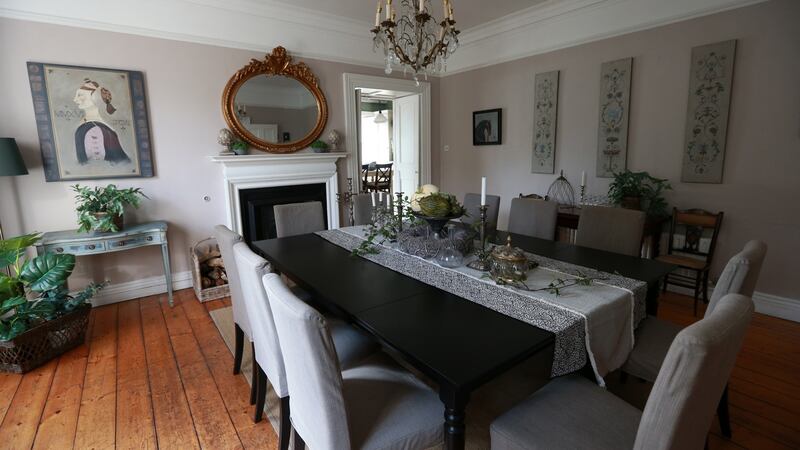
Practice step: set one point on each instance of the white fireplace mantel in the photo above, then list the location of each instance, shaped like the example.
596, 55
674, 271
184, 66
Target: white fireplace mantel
267, 170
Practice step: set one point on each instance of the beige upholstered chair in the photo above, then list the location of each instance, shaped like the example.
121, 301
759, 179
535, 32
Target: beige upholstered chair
472, 203
362, 209
572, 412
353, 346
533, 217
654, 336
374, 405
299, 218
615, 230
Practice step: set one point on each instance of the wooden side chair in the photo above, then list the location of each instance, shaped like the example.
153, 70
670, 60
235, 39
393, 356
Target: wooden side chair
376, 177
694, 225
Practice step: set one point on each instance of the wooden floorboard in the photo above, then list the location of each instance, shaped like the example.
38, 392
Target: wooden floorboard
151, 376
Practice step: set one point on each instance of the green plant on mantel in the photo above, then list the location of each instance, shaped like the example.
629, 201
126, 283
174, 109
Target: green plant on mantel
35, 291
100, 208
639, 190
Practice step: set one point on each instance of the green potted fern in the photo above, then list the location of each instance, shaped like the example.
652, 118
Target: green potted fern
39, 318
639, 190
101, 208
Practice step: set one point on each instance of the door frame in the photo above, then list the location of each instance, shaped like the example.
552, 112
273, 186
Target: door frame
353, 81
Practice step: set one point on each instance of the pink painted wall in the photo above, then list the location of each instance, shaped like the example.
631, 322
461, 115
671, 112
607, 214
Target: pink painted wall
761, 183
184, 84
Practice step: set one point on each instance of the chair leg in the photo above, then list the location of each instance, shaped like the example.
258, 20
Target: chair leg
705, 287
724, 415
299, 444
697, 279
285, 429
261, 398
238, 349
665, 283
623, 376
253, 375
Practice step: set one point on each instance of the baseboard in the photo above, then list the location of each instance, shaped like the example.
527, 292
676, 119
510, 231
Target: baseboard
141, 288
771, 305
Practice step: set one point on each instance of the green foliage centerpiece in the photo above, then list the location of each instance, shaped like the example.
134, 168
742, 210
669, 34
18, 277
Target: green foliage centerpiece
436, 208
101, 208
639, 190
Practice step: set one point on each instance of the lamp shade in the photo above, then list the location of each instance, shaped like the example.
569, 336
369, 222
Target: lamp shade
11, 162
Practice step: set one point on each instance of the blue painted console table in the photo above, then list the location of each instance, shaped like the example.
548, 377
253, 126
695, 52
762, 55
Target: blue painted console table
93, 243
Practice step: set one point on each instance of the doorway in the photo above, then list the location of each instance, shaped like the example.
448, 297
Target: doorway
391, 119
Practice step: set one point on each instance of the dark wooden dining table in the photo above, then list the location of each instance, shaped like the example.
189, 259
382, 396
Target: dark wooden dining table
459, 344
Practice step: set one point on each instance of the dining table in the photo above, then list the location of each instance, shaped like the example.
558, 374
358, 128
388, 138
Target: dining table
459, 344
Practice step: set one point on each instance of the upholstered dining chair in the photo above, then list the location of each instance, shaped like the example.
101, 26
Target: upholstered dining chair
654, 336
298, 218
617, 230
226, 239
533, 217
572, 412
353, 346
472, 203
374, 405
362, 206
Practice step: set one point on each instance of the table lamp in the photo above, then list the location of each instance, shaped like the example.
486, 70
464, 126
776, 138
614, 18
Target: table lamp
11, 163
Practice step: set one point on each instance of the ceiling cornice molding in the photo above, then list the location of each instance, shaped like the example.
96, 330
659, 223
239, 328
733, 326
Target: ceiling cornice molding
553, 26
260, 25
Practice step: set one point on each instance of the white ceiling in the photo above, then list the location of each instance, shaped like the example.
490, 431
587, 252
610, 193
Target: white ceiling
467, 13
493, 31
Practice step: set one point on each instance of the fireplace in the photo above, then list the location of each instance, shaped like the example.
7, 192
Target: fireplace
256, 206
255, 183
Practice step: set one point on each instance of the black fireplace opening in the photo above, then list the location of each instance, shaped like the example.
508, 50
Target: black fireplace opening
256, 205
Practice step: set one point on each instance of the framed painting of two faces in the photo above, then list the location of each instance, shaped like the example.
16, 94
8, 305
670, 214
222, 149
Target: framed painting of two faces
92, 122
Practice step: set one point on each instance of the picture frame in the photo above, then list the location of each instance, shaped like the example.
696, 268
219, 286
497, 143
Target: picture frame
92, 122
487, 127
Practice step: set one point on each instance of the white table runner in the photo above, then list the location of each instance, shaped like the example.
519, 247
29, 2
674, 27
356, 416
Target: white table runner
594, 322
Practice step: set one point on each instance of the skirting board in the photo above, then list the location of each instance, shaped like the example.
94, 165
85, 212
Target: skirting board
771, 305
120, 292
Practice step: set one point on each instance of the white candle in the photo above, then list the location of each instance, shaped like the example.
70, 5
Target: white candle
450, 12
388, 9
444, 8
421, 6
483, 191
373, 199
378, 18
380, 196
583, 178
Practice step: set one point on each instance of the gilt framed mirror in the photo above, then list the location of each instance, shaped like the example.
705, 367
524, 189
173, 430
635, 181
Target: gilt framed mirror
274, 104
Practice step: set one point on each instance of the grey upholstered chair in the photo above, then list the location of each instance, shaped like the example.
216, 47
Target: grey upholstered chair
226, 240
298, 218
533, 217
615, 230
353, 345
572, 412
654, 336
472, 203
373, 405
362, 209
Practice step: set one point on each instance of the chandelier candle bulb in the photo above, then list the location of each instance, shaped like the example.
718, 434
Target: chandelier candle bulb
583, 178
421, 6
373, 199
483, 191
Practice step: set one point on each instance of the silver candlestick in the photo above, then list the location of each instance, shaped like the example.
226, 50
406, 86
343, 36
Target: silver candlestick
399, 205
482, 263
583, 194
346, 198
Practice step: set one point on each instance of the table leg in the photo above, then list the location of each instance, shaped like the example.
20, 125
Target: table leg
653, 292
455, 405
167, 270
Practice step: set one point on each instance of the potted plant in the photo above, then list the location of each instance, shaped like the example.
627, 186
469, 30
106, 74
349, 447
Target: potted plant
39, 319
639, 190
319, 146
240, 147
101, 208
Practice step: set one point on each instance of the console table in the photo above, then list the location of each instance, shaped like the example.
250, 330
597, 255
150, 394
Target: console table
93, 243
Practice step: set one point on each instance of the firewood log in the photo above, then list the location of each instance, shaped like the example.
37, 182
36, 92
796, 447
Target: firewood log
215, 262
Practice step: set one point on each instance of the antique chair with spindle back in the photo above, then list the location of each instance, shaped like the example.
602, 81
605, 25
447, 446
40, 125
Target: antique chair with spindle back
376, 177
695, 225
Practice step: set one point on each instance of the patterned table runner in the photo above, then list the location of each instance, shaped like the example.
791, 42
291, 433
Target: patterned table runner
594, 321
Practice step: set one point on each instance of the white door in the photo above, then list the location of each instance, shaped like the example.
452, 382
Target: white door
405, 114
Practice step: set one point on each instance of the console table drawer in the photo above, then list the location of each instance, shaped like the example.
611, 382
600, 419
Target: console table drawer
82, 248
134, 241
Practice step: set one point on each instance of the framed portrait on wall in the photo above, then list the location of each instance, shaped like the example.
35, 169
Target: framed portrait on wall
92, 122
487, 127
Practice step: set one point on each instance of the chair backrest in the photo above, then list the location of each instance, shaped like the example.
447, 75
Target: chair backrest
299, 218
252, 269
226, 239
472, 203
740, 274
615, 230
536, 196
316, 401
681, 406
362, 206
533, 217
694, 225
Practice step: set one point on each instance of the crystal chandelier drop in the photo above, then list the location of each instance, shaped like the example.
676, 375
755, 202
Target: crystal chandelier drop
415, 41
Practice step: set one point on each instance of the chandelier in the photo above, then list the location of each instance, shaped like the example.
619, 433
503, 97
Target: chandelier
415, 41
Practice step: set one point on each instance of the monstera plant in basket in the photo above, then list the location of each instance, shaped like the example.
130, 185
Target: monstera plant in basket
39, 318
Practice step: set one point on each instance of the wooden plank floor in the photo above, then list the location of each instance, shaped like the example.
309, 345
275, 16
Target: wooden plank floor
150, 376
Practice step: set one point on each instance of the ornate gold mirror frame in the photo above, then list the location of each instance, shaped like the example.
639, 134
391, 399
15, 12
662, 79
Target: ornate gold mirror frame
279, 62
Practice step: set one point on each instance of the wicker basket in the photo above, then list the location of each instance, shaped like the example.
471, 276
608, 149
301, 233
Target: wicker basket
211, 293
44, 342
